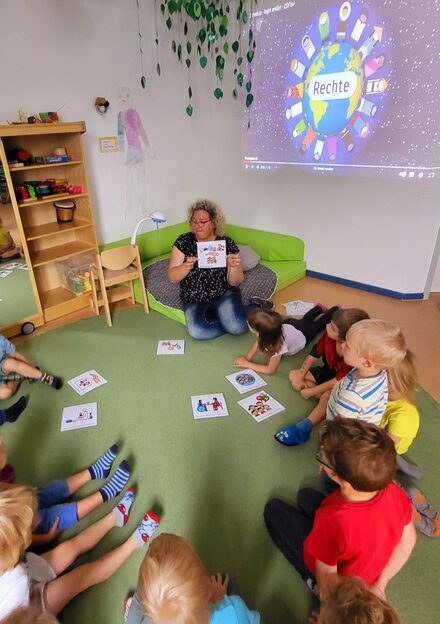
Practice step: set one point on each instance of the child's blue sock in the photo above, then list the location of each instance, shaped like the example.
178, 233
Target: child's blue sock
146, 528
102, 466
294, 435
117, 482
122, 509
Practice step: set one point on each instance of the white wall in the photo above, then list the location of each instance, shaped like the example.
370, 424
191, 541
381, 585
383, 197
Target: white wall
378, 232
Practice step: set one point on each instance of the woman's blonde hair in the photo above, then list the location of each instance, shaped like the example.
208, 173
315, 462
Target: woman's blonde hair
29, 615
173, 586
382, 342
349, 601
402, 378
214, 211
17, 510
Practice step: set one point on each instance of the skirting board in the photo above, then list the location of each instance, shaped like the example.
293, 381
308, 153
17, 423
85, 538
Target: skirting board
368, 287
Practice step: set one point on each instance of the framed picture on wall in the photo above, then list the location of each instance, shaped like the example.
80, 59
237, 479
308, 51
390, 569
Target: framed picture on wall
109, 144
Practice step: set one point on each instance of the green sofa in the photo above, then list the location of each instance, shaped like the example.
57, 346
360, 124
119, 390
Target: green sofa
282, 253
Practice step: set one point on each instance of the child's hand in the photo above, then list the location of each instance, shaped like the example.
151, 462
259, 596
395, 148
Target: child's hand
241, 362
306, 393
219, 587
313, 618
296, 380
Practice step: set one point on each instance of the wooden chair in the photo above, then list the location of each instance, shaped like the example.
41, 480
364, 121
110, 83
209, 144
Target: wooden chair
114, 273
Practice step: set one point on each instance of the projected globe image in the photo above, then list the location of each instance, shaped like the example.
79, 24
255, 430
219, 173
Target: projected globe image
335, 83
331, 116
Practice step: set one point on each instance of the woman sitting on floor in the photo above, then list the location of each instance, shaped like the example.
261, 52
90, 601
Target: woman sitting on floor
211, 297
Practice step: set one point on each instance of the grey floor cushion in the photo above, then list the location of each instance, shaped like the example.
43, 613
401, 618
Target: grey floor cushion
258, 282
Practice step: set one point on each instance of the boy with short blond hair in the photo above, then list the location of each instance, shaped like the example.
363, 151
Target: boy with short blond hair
174, 587
371, 347
363, 529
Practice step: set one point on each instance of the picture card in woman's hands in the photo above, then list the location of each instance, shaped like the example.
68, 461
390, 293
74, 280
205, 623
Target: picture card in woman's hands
79, 416
261, 406
86, 382
246, 380
212, 254
209, 405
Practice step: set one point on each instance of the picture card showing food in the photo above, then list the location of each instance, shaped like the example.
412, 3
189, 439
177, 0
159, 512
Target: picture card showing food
86, 382
246, 380
209, 405
261, 406
170, 347
212, 254
79, 416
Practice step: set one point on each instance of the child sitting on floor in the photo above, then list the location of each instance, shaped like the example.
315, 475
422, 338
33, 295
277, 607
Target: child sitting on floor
277, 336
54, 514
8, 249
351, 602
174, 587
362, 529
313, 381
371, 347
24, 575
14, 367
401, 422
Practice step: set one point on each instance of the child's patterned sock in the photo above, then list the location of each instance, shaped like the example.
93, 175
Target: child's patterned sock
10, 414
117, 482
419, 502
122, 509
294, 435
102, 466
146, 528
426, 525
51, 380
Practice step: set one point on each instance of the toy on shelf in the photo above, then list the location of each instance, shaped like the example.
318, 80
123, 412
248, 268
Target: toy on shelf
75, 273
64, 208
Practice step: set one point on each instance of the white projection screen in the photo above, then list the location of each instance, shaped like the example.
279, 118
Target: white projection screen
347, 87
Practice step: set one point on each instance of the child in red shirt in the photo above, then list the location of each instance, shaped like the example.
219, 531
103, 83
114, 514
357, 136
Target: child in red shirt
363, 529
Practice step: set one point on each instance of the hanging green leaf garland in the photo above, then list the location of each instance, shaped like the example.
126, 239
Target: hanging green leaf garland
204, 27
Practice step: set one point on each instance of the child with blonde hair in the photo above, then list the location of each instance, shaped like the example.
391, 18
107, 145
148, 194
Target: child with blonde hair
25, 576
371, 348
173, 588
29, 615
14, 367
278, 336
351, 602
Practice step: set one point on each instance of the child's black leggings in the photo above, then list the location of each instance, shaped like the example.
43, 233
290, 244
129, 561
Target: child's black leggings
312, 323
289, 525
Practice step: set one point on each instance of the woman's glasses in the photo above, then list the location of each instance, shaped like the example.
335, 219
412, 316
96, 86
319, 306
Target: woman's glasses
202, 223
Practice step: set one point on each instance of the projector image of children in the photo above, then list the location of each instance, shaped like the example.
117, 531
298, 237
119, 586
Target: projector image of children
277, 336
14, 367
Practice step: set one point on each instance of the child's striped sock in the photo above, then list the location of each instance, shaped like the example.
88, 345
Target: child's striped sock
146, 528
102, 466
117, 482
122, 509
51, 380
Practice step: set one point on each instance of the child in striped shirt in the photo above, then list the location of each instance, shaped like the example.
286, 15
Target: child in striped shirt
371, 347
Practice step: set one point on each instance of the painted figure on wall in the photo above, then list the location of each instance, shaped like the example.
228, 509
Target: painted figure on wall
134, 141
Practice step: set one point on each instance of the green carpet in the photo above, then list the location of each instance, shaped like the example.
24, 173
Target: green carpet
16, 295
209, 479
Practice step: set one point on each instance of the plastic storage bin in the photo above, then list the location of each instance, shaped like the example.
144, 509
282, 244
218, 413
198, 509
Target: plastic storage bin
75, 273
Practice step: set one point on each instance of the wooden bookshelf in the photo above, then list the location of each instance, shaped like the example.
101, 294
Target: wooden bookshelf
44, 240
